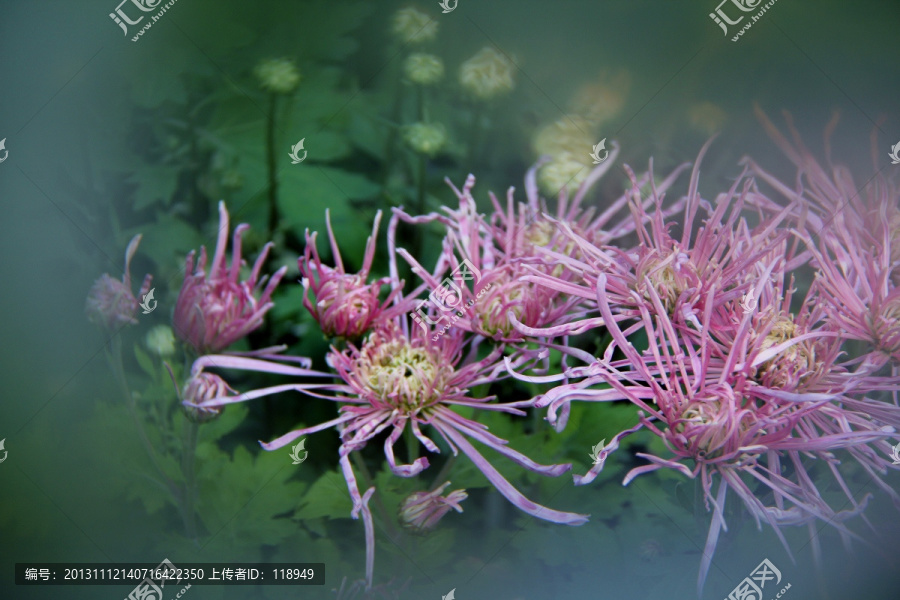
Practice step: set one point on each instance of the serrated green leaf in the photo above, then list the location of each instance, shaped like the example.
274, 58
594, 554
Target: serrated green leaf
168, 239
327, 497
230, 419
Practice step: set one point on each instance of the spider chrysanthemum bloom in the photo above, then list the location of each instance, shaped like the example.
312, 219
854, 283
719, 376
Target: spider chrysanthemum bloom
508, 296
518, 240
346, 304
421, 511
488, 74
884, 323
495, 292
669, 274
396, 373
110, 302
701, 397
216, 309
399, 379
856, 279
853, 236
706, 268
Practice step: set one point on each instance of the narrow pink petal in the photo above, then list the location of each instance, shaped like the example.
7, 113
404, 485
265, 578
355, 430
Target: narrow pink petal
418, 465
221, 241
293, 435
504, 487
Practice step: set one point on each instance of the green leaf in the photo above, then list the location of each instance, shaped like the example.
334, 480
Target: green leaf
248, 498
168, 239
145, 362
306, 191
155, 185
327, 497
230, 419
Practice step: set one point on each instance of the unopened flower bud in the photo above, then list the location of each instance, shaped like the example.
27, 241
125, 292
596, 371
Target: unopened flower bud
201, 388
421, 511
161, 340
425, 138
487, 75
277, 75
424, 69
110, 303
414, 26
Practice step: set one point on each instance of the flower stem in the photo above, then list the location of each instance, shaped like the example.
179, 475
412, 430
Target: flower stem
190, 484
420, 236
115, 361
442, 475
412, 445
271, 165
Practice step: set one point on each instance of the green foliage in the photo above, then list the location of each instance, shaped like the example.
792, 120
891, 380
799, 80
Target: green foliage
246, 499
327, 497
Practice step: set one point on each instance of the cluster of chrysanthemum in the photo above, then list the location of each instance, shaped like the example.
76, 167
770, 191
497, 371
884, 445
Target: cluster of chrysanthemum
214, 309
751, 385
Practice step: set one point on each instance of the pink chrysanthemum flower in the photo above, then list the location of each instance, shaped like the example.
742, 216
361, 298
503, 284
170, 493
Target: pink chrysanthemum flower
421, 511
215, 310
705, 269
345, 304
737, 386
854, 240
502, 304
741, 410
110, 302
821, 195
496, 290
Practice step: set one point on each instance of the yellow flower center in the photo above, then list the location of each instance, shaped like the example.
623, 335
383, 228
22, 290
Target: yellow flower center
406, 377
794, 367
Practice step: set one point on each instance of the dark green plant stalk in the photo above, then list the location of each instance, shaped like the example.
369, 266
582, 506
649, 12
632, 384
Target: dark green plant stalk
272, 165
442, 474
422, 171
412, 445
115, 360
190, 484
